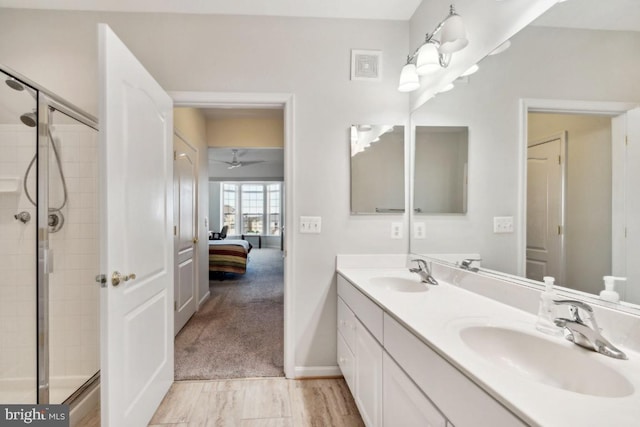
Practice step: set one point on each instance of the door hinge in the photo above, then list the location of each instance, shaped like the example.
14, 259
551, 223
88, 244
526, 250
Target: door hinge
175, 155
175, 230
559, 160
626, 140
559, 230
625, 232
175, 306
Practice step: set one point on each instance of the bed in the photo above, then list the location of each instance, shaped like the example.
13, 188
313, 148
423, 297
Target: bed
228, 256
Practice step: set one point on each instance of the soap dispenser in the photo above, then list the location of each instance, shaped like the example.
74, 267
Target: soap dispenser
547, 309
609, 293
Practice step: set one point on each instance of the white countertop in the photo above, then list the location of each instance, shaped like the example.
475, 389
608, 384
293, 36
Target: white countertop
437, 315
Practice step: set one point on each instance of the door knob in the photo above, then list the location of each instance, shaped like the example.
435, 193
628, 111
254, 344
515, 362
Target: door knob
117, 278
195, 240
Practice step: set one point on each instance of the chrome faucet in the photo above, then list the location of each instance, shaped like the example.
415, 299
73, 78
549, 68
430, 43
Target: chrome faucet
583, 334
466, 264
424, 271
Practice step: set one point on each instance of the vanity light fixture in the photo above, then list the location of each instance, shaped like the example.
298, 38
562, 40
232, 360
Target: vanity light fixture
470, 71
434, 54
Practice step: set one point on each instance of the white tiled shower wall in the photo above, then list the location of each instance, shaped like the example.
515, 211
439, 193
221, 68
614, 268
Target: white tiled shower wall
17, 271
74, 296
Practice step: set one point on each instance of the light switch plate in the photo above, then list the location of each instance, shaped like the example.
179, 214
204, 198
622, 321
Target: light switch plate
503, 224
396, 230
419, 230
310, 224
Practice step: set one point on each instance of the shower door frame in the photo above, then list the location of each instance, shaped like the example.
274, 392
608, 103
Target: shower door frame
47, 103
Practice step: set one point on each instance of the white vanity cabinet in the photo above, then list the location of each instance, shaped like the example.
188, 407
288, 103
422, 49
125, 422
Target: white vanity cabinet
398, 380
360, 351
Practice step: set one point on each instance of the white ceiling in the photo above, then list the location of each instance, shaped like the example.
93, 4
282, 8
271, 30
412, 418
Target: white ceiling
359, 9
617, 15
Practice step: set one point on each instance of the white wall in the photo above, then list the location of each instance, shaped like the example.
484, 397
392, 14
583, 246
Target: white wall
307, 57
588, 242
542, 63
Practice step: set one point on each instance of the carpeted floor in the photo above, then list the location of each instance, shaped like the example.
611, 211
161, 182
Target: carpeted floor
239, 331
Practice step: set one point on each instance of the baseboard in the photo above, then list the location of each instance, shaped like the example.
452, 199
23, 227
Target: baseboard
203, 299
86, 405
317, 372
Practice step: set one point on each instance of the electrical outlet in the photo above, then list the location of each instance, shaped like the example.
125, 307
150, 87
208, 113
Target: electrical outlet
503, 224
310, 224
419, 230
396, 230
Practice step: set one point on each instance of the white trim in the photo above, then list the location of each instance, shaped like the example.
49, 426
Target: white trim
203, 299
316, 371
549, 106
266, 100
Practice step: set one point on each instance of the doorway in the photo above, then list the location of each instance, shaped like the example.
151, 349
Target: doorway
284, 102
590, 222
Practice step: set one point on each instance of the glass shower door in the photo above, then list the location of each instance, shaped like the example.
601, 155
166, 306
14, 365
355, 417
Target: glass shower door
18, 242
74, 334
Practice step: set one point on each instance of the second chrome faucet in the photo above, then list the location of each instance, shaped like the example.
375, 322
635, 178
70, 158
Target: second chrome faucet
424, 271
586, 334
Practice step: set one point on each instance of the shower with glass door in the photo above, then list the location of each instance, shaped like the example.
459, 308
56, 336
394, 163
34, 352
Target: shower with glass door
49, 246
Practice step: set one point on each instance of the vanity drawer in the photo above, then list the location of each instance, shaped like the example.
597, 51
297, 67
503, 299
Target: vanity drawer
346, 362
347, 324
463, 402
365, 310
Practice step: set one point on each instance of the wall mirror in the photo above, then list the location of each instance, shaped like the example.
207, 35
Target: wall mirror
534, 93
377, 169
440, 169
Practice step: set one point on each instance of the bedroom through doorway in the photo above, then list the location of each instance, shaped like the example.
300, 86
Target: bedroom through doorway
238, 332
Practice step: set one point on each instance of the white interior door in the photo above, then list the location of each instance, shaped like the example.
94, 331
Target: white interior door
633, 207
136, 161
185, 239
545, 208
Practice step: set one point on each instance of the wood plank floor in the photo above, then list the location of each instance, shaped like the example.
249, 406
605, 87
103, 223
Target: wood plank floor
271, 402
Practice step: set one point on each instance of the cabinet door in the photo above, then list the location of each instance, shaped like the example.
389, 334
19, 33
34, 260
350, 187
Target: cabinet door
404, 403
368, 376
346, 362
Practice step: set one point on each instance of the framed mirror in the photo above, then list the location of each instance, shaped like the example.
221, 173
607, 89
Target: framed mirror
535, 91
440, 170
377, 169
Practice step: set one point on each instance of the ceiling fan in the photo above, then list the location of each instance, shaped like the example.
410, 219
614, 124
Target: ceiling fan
235, 163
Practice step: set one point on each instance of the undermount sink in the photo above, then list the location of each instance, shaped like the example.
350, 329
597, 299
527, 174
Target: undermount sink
565, 367
400, 284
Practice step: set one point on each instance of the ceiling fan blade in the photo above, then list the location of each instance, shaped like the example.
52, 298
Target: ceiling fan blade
252, 162
222, 161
